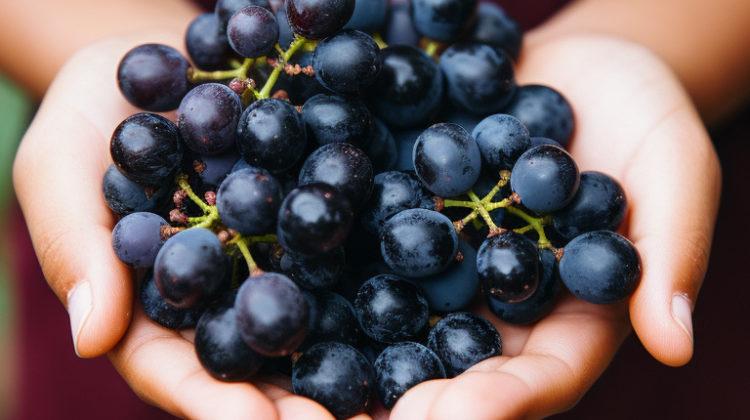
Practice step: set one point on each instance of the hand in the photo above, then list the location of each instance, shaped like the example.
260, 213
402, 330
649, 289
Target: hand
57, 175
634, 122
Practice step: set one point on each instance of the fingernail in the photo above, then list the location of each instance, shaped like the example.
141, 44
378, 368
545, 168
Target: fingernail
682, 313
79, 308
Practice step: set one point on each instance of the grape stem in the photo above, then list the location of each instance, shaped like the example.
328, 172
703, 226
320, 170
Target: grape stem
242, 244
379, 40
196, 76
537, 223
432, 48
284, 56
182, 181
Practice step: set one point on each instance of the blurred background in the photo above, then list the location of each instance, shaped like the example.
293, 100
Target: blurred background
40, 377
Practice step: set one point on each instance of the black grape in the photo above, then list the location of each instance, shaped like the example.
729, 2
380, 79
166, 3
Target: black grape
337, 119
332, 318
286, 36
153, 77
272, 314
213, 169
399, 28
392, 193
508, 265
347, 62
146, 148
502, 139
546, 178
162, 312
248, 201
318, 19
343, 166
600, 267
381, 149
599, 204
208, 118
124, 196
442, 20
314, 271
495, 27
538, 141
454, 288
225, 9
447, 159
137, 239
207, 44
402, 366
368, 16
418, 242
463, 339
405, 140
252, 32
544, 111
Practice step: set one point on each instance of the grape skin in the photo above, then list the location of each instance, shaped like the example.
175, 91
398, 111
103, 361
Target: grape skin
137, 239
208, 118
153, 77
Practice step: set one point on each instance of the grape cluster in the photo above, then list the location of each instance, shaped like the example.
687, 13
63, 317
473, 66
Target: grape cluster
328, 206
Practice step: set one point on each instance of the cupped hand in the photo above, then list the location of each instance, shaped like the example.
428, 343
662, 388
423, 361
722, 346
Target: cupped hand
636, 123
57, 174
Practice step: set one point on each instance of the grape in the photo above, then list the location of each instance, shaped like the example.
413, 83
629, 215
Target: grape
442, 20
301, 87
332, 318
314, 271
347, 62
220, 348
369, 15
337, 119
538, 141
146, 148
447, 159
318, 19
137, 239
391, 309
190, 267
544, 111
454, 288
600, 267
399, 28
405, 140
314, 219
381, 148
402, 366
495, 27
208, 118
502, 139
458, 116
272, 314
286, 36
248, 201
153, 77
508, 265
271, 135
546, 178
207, 44
409, 88
124, 196
479, 78
599, 204
213, 169
463, 339
252, 32
162, 312
342, 166
418, 242
392, 193
225, 9
335, 375
537, 304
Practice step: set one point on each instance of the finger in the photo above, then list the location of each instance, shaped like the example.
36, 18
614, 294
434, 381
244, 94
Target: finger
292, 406
414, 403
162, 368
674, 240
564, 355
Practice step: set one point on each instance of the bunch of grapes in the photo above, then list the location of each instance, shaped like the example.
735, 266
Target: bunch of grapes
342, 179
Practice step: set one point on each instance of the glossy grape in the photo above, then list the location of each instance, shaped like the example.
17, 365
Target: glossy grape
208, 118
447, 159
508, 265
248, 201
392, 193
253, 31
337, 119
454, 288
599, 204
137, 239
495, 27
343, 166
153, 77
544, 111
546, 178
314, 271
347, 62
207, 44
332, 318
442, 20
381, 149
368, 16
502, 139
225, 9
402, 366
162, 312
124, 196
399, 28
463, 339
318, 19
212, 170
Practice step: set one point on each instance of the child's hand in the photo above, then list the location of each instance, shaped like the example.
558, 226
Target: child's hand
636, 123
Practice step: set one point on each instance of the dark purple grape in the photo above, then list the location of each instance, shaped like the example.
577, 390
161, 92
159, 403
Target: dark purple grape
405, 140
314, 272
332, 318
538, 141
248, 201
220, 348
418, 242
146, 148
442, 20
207, 44
137, 239
272, 314
463, 339
447, 159
318, 19
600, 267
403, 366
337, 119
393, 192
502, 139
225, 9
381, 149
369, 15
391, 309
537, 304
208, 117
347, 62
335, 375
213, 169
162, 312
544, 111
479, 77
286, 36
271, 135
495, 27
124, 196
454, 288
190, 267
252, 32
153, 77
546, 178
343, 166
508, 265
399, 28
408, 90
599, 204
314, 219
